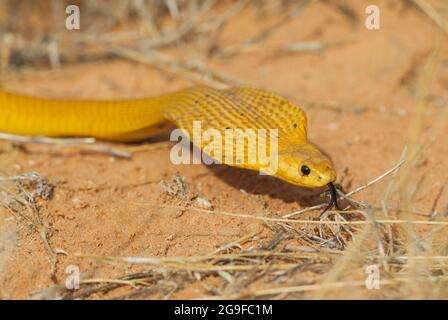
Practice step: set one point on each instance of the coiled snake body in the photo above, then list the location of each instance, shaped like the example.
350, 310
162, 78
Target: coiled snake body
299, 162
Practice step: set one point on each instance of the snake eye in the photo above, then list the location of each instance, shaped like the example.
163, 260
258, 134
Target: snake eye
305, 170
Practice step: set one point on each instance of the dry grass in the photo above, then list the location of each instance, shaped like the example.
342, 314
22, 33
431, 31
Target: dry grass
23, 196
384, 233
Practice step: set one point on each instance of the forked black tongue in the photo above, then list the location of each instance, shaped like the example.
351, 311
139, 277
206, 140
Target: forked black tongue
334, 198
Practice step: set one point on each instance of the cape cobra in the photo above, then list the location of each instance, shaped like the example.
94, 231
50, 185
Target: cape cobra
299, 162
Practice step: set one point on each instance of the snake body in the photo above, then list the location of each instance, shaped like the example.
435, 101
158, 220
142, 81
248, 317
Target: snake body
134, 119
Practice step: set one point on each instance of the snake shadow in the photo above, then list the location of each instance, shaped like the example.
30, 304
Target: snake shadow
253, 183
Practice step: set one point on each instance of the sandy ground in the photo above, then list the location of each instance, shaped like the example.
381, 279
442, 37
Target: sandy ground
108, 206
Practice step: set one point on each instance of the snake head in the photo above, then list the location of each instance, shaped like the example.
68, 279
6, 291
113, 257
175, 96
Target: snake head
305, 165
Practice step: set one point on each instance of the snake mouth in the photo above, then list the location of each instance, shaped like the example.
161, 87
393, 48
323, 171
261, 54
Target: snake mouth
333, 199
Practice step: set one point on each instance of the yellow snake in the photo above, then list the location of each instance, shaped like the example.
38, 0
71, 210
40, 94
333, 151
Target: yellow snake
299, 162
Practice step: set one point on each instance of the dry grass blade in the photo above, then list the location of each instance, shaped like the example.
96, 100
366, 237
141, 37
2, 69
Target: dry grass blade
303, 221
432, 14
84, 144
304, 288
196, 72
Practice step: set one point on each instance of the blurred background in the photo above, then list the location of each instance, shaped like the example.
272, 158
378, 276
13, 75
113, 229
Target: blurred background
324, 46
312, 51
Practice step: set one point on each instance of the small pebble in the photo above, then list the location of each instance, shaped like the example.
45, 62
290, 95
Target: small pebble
333, 126
204, 203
